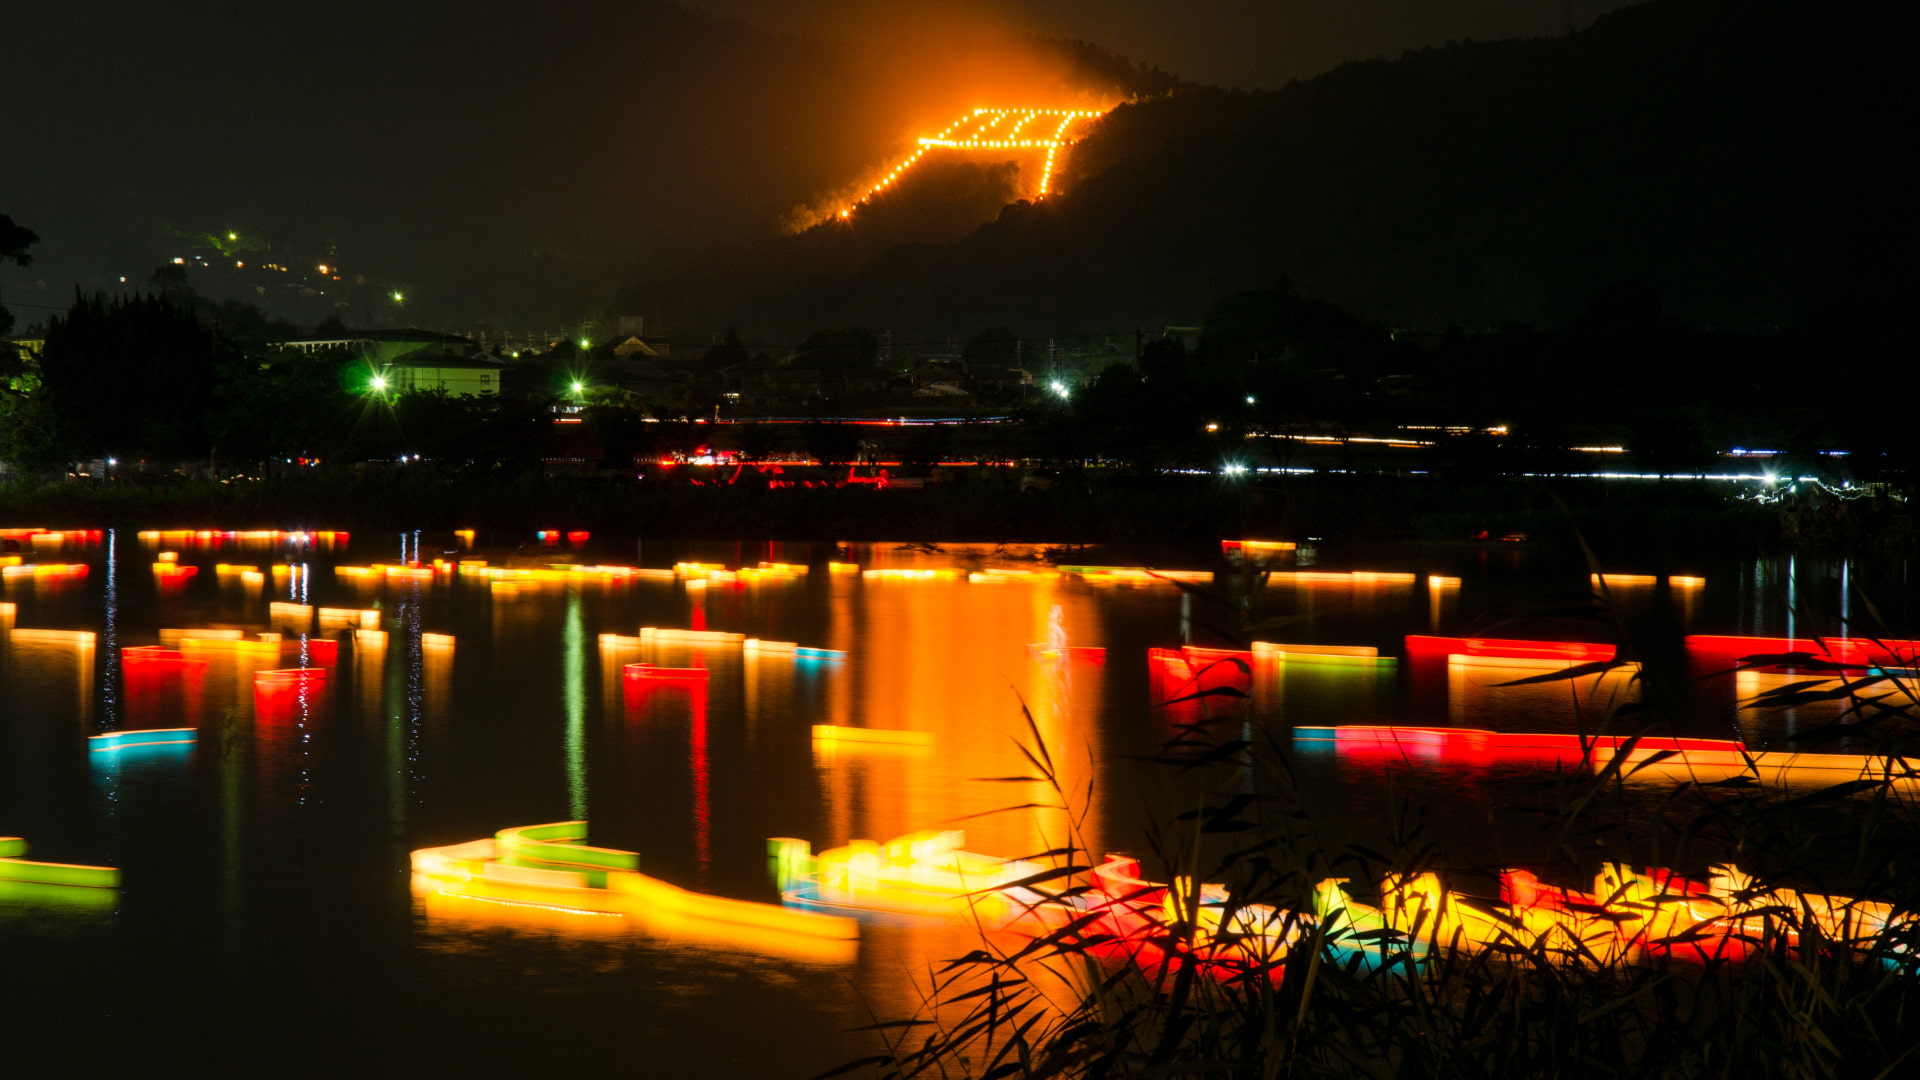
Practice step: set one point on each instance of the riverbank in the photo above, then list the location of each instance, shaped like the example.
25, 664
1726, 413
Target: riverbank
1658, 520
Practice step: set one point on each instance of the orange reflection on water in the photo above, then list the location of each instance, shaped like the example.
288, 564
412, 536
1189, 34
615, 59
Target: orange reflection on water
949, 661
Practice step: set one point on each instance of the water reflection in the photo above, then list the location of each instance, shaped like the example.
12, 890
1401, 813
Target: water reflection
461, 704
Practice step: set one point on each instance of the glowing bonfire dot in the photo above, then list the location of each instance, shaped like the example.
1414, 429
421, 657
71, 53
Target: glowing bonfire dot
970, 132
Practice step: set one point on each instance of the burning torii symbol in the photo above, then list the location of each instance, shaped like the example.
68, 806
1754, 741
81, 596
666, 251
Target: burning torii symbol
991, 129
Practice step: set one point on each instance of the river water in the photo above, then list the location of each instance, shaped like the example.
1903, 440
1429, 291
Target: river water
268, 922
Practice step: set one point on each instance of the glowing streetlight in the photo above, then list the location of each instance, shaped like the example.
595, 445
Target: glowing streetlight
578, 386
1249, 399
378, 383
399, 297
1060, 388
233, 236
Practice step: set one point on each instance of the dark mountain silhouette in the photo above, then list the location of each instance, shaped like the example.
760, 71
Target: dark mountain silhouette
1747, 160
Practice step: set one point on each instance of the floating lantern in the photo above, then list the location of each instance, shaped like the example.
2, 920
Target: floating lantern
923, 873
1471, 745
550, 867
1003, 577
1136, 575
832, 733
905, 574
79, 639
656, 673
1727, 760
1333, 577
1853, 652
667, 636
146, 737
1571, 652
1077, 654
1343, 655
16, 869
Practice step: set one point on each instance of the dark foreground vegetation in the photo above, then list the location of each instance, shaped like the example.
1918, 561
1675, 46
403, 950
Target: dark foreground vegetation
1275, 977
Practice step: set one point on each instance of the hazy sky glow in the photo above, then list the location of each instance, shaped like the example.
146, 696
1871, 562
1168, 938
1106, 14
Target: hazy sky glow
453, 145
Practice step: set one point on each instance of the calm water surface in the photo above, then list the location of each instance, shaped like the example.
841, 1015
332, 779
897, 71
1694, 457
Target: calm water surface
268, 923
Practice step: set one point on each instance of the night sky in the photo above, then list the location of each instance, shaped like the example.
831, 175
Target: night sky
515, 158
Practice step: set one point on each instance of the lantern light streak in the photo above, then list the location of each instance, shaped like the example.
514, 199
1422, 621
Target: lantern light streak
345, 618
551, 867
1005, 577
1332, 577
82, 640
1718, 761
44, 571
655, 635
1343, 655
655, 673
1253, 548
1853, 652
296, 616
905, 574
1573, 652
128, 740
1477, 746
16, 868
1136, 575
834, 733
982, 123
923, 873
1079, 654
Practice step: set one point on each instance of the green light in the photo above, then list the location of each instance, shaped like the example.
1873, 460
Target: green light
585, 344
93, 877
574, 639
378, 383
578, 386
399, 297
233, 236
